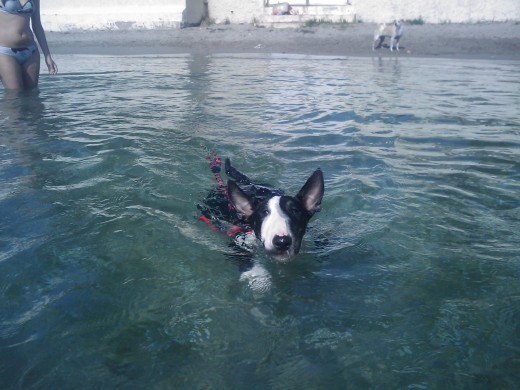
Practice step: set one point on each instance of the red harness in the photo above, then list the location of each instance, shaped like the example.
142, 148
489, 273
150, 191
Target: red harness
215, 165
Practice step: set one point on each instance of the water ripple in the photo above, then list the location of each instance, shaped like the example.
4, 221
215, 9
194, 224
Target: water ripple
408, 275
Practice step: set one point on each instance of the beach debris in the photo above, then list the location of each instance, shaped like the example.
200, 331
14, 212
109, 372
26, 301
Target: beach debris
284, 9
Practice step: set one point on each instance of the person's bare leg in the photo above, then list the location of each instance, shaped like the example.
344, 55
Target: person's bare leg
31, 71
11, 72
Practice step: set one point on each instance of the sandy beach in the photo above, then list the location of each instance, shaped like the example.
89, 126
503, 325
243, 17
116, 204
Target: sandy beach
473, 41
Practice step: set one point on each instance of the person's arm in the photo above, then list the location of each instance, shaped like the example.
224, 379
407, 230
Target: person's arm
39, 32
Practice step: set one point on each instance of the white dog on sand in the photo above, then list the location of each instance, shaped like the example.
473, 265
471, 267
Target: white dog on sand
394, 31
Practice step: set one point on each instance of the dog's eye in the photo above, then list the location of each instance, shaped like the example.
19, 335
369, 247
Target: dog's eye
265, 212
292, 208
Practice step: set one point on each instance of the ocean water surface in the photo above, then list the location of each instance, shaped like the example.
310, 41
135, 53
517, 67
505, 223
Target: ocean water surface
407, 279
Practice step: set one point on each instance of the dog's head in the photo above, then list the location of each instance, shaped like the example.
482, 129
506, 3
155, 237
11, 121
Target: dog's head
279, 222
399, 26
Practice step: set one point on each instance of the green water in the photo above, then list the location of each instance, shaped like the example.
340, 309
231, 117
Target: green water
108, 280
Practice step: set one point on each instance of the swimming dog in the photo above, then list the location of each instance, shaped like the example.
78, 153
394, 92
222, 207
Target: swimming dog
278, 221
394, 31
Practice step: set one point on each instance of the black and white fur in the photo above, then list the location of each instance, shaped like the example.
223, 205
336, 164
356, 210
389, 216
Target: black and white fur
278, 221
394, 31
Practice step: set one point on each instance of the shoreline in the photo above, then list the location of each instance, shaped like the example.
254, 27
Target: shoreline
499, 41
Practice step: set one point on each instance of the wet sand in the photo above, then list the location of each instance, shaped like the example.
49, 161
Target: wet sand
474, 41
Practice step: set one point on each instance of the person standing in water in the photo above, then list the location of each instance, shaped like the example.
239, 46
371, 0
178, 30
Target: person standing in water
19, 55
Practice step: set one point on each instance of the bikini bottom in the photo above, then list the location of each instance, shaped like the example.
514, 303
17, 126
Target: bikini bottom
20, 54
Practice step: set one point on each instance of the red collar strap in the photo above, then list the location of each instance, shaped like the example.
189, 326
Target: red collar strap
215, 165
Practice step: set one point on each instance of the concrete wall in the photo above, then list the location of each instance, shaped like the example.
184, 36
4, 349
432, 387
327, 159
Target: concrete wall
430, 11
195, 12
66, 15
438, 11
235, 11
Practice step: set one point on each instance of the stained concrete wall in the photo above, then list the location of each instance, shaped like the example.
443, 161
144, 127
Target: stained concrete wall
235, 11
195, 12
430, 11
438, 11
66, 15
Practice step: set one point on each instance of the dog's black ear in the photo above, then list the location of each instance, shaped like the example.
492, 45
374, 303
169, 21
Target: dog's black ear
232, 173
242, 203
311, 193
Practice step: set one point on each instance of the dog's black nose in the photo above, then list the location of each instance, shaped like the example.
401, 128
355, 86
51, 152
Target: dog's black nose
282, 243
